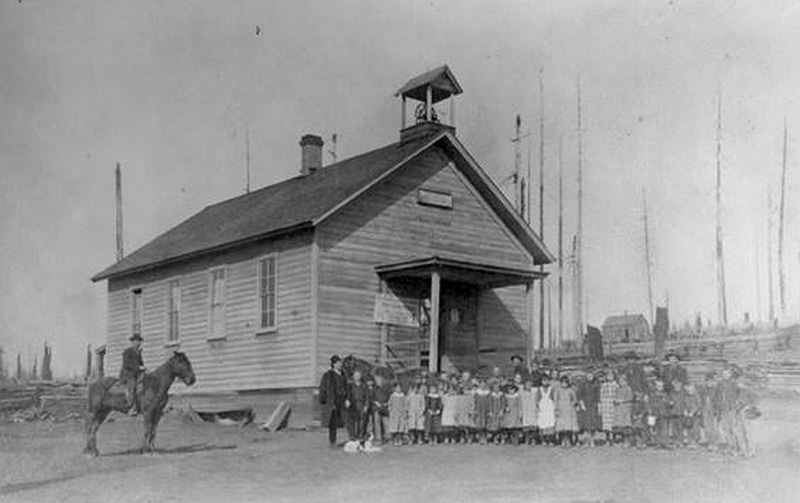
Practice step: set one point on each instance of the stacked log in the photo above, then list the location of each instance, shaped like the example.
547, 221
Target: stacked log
42, 401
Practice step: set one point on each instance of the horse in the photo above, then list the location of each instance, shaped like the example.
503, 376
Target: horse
153, 394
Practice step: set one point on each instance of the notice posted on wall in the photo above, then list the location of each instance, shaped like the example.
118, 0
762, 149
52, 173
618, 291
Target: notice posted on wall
394, 310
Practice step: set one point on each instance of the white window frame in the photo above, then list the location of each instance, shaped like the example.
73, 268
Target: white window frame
177, 340
211, 304
260, 329
132, 302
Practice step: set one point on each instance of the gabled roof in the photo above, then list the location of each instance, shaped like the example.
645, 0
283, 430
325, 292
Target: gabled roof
305, 201
624, 320
441, 80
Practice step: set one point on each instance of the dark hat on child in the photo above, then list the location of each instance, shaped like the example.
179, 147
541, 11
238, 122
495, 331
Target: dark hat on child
517, 357
673, 354
335, 358
135, 337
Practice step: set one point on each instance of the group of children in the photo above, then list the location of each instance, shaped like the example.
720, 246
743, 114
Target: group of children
614, 407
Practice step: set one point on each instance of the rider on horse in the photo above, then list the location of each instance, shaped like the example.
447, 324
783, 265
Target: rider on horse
132, 370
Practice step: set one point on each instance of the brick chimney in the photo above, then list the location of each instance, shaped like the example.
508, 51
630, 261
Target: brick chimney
311, 153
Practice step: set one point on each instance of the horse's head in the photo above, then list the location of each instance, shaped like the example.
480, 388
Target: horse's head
182, 368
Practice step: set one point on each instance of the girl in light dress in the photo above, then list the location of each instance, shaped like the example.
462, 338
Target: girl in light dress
529, 396
397, 415
449, 414
608, 394
547, 412
566, 416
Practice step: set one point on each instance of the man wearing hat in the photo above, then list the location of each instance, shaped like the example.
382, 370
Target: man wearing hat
132, 369
519, 368
332, 397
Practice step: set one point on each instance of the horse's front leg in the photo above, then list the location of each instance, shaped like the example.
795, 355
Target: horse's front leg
148, 427
93, 423
153, 429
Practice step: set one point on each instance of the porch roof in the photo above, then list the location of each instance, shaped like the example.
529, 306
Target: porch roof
480, 273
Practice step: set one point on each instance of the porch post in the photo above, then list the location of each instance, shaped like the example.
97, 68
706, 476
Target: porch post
384, 328
433, 342
529, 346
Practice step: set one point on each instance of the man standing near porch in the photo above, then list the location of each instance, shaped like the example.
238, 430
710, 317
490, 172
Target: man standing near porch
332, 397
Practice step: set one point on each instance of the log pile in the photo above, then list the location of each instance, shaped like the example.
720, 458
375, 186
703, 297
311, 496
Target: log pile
43, 401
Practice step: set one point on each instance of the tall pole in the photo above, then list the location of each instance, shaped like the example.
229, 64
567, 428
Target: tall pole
118, 193
647, 258
770, 288
579, 236
781, 277
560, 239
517, 162
758, 278
722, 309
541, 204
247, 161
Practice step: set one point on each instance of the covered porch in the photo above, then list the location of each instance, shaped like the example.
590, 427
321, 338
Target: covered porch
443, 313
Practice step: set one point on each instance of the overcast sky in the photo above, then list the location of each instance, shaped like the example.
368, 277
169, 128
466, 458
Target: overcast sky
170, 89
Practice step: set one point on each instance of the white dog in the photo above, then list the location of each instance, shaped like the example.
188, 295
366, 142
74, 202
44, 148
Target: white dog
354, 446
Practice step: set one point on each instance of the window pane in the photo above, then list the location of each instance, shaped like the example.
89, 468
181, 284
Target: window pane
266, 291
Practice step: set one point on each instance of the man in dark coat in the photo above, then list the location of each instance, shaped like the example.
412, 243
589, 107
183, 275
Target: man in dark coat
519, 368
132, 369
537, 374
332, 397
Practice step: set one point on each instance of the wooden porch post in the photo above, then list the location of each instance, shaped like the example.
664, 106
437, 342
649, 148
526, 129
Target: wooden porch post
428, 103
433, 342
403, 113
529, 346
384, 328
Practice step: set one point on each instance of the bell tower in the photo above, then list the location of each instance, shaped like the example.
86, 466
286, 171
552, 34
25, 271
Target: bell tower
425, 91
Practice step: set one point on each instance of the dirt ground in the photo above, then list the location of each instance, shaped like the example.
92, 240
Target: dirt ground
206, 462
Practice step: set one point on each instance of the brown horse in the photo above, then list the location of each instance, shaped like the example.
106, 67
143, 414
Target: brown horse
152, 396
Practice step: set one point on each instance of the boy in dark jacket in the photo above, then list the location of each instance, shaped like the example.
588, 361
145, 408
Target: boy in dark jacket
380, 409
358, 402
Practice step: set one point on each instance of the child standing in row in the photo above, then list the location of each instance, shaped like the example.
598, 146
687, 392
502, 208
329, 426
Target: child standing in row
529, 398
433, 415
497, 405
398, 415
512, 419
608, 393
547, 412
416, 413
449, 414
566, 418
623, 404
482, 410
465, 408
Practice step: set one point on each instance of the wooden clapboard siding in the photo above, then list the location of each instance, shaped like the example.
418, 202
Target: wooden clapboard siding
246, 358
503, 325
386, 224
